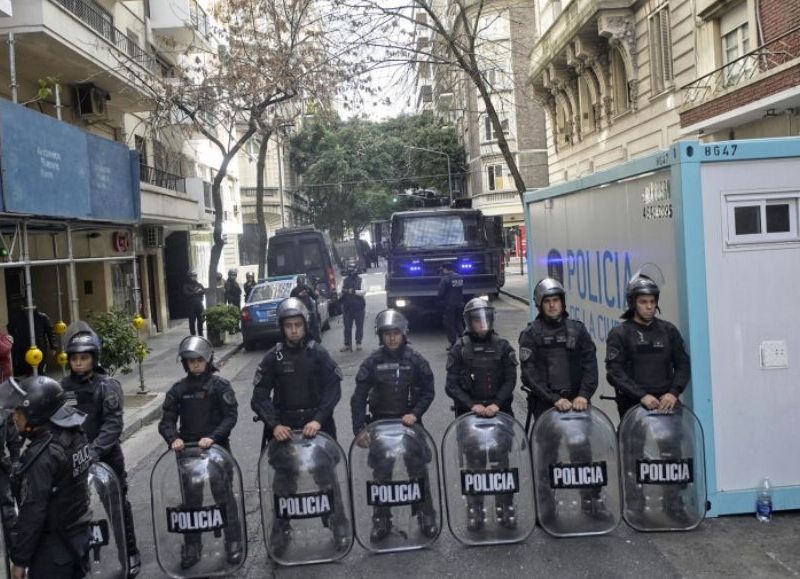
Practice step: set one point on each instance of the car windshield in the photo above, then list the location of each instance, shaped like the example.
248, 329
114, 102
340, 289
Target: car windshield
437, 231
272, 290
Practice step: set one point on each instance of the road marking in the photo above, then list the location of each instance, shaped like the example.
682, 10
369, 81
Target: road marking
774, 557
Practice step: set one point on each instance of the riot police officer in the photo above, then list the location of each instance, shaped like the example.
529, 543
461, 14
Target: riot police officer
451, 292
354, 306
92, 391
296, 387
249, 284
51, 535
481, 376
194, 292
205, 406
395, 382
646, 359
559, 367
647, 364
308, 295
233, 291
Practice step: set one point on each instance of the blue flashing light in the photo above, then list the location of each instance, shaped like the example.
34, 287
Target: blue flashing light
466, 266
415, 267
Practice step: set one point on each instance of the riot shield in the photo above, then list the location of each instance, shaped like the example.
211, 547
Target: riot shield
488, 480
663, 469
577, 479
198, 512
108, 553
394, 477
5, 569
305, 503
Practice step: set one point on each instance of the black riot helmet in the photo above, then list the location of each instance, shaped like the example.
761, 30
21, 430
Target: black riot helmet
478, 312
641, 285
81, 338
40, 399
193, 347
390, 320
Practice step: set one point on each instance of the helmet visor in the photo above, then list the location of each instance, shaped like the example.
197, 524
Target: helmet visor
481, 320
11, 395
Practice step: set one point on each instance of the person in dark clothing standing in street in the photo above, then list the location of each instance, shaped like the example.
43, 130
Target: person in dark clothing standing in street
51, 535
88, 388
296, 387
19, 328
201, 409
233, 291
646, 360
559, 370
395, 382
249, 284
451, 293
10, 449
353, 309
194, 291
308, 295
481, 376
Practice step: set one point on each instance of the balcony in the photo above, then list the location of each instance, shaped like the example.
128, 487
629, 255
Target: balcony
162, 179
183, 21
249, 194
498, 203
75, 40
765, 78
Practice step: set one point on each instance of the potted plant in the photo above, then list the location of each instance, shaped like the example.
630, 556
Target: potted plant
122, 347
221, 319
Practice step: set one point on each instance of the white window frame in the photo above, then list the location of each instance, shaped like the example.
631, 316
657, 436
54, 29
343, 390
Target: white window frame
761, 200
732, 25
619, 81
492, 175
661, 68
488, 134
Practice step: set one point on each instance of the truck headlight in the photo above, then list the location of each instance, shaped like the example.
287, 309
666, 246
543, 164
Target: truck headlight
400, 303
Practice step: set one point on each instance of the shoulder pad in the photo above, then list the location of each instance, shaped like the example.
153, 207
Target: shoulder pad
229, 397
525, 354
363, 372
112, 400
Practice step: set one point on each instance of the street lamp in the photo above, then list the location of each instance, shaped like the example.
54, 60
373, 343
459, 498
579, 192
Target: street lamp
449, 177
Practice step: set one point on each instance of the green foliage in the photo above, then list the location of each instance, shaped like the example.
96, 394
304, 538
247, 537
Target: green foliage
121, 344
222, 318
352, 169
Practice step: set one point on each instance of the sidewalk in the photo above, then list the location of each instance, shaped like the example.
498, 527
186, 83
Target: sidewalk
516, 286
161, 370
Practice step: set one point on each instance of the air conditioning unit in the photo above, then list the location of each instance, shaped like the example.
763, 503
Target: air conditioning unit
90, 101
152, 236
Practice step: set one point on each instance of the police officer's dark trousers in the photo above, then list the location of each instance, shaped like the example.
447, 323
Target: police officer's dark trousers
196, 319
61, 556
353, 316
452, 323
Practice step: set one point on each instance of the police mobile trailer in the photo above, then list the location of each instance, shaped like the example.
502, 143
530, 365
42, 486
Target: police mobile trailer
423, 240
716, 225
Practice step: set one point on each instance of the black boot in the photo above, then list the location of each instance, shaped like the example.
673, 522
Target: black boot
190, 555
381, 525
279, 537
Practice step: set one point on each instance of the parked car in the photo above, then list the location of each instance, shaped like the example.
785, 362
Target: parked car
297, 250
259, 314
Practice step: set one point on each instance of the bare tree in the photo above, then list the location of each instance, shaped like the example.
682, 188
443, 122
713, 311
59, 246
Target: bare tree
464, 47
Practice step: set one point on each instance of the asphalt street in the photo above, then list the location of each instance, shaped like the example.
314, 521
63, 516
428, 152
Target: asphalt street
725, 547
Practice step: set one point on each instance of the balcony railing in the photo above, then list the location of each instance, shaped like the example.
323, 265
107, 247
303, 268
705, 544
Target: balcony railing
253, 192
199, 18
162, 179
763, 59
102, 22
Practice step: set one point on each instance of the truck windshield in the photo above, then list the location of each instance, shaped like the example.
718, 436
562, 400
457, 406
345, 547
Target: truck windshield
437, 231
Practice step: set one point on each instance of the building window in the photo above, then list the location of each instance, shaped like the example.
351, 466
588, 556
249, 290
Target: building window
489, 134
563, 126
734, 31
497, 177
760, 219
660, 51
585, 106
619, 78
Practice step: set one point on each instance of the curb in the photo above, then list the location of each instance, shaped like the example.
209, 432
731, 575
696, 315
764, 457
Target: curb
142, 417
515, 297
230, 353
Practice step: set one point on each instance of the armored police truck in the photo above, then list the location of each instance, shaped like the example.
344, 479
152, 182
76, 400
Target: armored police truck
422, 240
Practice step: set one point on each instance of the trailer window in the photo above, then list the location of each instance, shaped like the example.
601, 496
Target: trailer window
437, 231
760, 219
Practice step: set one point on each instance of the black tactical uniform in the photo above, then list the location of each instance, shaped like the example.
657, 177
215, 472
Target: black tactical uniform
644, 359
559, 360
451, 293
10, 448
294, 385
353, 309
205, 407
248, 286
393, 384
233, 291
193, 292
51, 535
483, 370
100, 397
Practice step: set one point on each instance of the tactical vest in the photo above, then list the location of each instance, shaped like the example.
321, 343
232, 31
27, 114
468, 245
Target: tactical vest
87, 397
650, 356
198, 409
558, 348
483, 368
297, 384
391, 395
